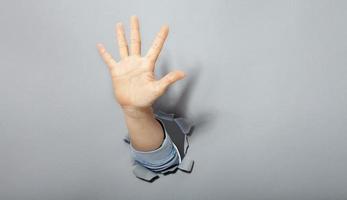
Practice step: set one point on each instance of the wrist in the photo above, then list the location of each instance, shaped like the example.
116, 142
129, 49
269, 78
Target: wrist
137, 112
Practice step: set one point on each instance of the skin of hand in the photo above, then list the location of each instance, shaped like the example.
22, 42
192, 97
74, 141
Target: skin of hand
135, 86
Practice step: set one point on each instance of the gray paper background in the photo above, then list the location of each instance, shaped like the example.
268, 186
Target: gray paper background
266, 85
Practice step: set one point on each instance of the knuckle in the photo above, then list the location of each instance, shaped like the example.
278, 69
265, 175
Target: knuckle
156, 46
123, 45
135, 40
161, 36
151, 58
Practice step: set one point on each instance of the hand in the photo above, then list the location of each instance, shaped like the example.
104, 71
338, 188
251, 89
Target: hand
133, 76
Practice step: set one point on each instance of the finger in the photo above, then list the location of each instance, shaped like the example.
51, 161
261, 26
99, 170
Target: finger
158, 43
135, 38
169, 79
110, 62
122, 42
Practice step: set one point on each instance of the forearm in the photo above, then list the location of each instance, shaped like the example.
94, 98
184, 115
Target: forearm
145, 132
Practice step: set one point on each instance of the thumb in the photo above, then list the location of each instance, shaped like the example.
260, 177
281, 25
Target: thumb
169, 79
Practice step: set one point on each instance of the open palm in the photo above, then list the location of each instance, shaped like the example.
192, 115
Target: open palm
133, 76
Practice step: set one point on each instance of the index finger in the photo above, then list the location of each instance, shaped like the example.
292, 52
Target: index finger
122, 42
158, 43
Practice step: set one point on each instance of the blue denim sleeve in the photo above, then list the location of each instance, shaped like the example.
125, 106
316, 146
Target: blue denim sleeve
159, 159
